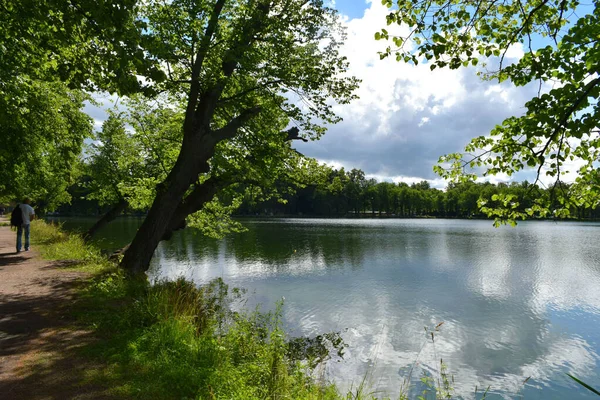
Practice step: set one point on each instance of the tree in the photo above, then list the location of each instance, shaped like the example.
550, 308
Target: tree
43, 128
84, 43
49, 51
113, 162
125, 166
240, 66
562, 54
385, 194
355, 185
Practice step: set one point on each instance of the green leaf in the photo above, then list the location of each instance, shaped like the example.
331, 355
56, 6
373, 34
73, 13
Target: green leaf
585, 385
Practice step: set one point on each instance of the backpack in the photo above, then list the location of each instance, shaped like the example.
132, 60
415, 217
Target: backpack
16, 217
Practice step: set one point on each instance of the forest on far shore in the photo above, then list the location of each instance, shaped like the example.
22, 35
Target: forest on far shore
340, 193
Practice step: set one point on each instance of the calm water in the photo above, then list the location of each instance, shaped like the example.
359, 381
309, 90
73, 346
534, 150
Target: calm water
515, 302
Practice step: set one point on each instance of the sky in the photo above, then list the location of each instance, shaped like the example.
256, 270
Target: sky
407, 116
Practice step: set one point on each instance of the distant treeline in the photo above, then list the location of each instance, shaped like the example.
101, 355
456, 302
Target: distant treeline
351, 194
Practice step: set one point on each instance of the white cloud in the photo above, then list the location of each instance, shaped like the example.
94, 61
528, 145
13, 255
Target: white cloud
424, 120
437, 183
97, 108
333, 164
407, 116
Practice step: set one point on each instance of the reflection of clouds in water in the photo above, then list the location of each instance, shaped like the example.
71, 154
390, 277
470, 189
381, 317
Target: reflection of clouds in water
381, 282
569, 279
378, 351
573, 353
491, 273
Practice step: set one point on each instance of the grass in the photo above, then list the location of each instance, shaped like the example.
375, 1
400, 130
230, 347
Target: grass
174, 340
54, 244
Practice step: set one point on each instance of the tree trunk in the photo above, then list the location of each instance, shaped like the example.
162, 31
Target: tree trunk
201, 195
136, 259
113, 213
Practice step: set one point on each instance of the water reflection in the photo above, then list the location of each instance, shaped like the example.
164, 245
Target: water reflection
515, 302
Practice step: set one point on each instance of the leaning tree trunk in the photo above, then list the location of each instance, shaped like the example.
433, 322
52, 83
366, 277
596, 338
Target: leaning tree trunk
199, 141
195, 201
201, 195
136, 259
113, 213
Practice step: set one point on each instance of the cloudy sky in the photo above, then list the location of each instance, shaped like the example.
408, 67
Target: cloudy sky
407, 116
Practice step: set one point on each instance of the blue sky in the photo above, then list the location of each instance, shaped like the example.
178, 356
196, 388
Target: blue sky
351, 8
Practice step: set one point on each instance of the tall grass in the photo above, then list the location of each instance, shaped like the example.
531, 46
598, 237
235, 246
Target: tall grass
54, 244
176, 340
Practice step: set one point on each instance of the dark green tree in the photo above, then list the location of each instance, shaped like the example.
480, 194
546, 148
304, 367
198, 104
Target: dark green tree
48, 52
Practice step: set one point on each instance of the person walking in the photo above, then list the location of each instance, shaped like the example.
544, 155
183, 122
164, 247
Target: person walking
28, 214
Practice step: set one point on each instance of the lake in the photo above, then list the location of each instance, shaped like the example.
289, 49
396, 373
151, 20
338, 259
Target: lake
515, 302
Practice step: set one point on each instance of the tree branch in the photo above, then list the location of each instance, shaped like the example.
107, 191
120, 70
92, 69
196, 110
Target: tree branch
294, 134
209, 99
200, 195
198, 63
523, 26
250, 90
231, 129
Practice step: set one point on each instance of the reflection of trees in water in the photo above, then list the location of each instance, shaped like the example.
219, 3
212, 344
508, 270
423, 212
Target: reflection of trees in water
115, 235
279, 246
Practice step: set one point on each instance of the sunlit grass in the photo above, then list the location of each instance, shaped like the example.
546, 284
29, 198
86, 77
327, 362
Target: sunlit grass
175, 340
54, 244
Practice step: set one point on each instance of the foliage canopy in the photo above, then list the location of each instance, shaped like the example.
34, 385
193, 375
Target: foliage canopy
561, 53
43, 128
49, 52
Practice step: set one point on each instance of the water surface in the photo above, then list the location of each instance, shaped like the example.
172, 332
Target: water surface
515, 302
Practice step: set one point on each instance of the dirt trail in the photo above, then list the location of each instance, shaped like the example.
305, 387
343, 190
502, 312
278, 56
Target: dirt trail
38, 346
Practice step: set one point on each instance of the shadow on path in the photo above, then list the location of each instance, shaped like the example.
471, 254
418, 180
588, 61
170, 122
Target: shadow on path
11, 258
39, 350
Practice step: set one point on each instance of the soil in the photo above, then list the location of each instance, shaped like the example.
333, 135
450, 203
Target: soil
39, 342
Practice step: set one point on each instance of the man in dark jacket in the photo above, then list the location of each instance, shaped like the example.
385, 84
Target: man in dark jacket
28, 215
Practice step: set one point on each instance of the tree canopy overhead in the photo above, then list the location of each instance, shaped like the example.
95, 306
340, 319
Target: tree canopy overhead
49, 52
561, 52
85, 43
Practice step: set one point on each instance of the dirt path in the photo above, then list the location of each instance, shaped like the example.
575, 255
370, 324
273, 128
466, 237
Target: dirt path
38, 346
